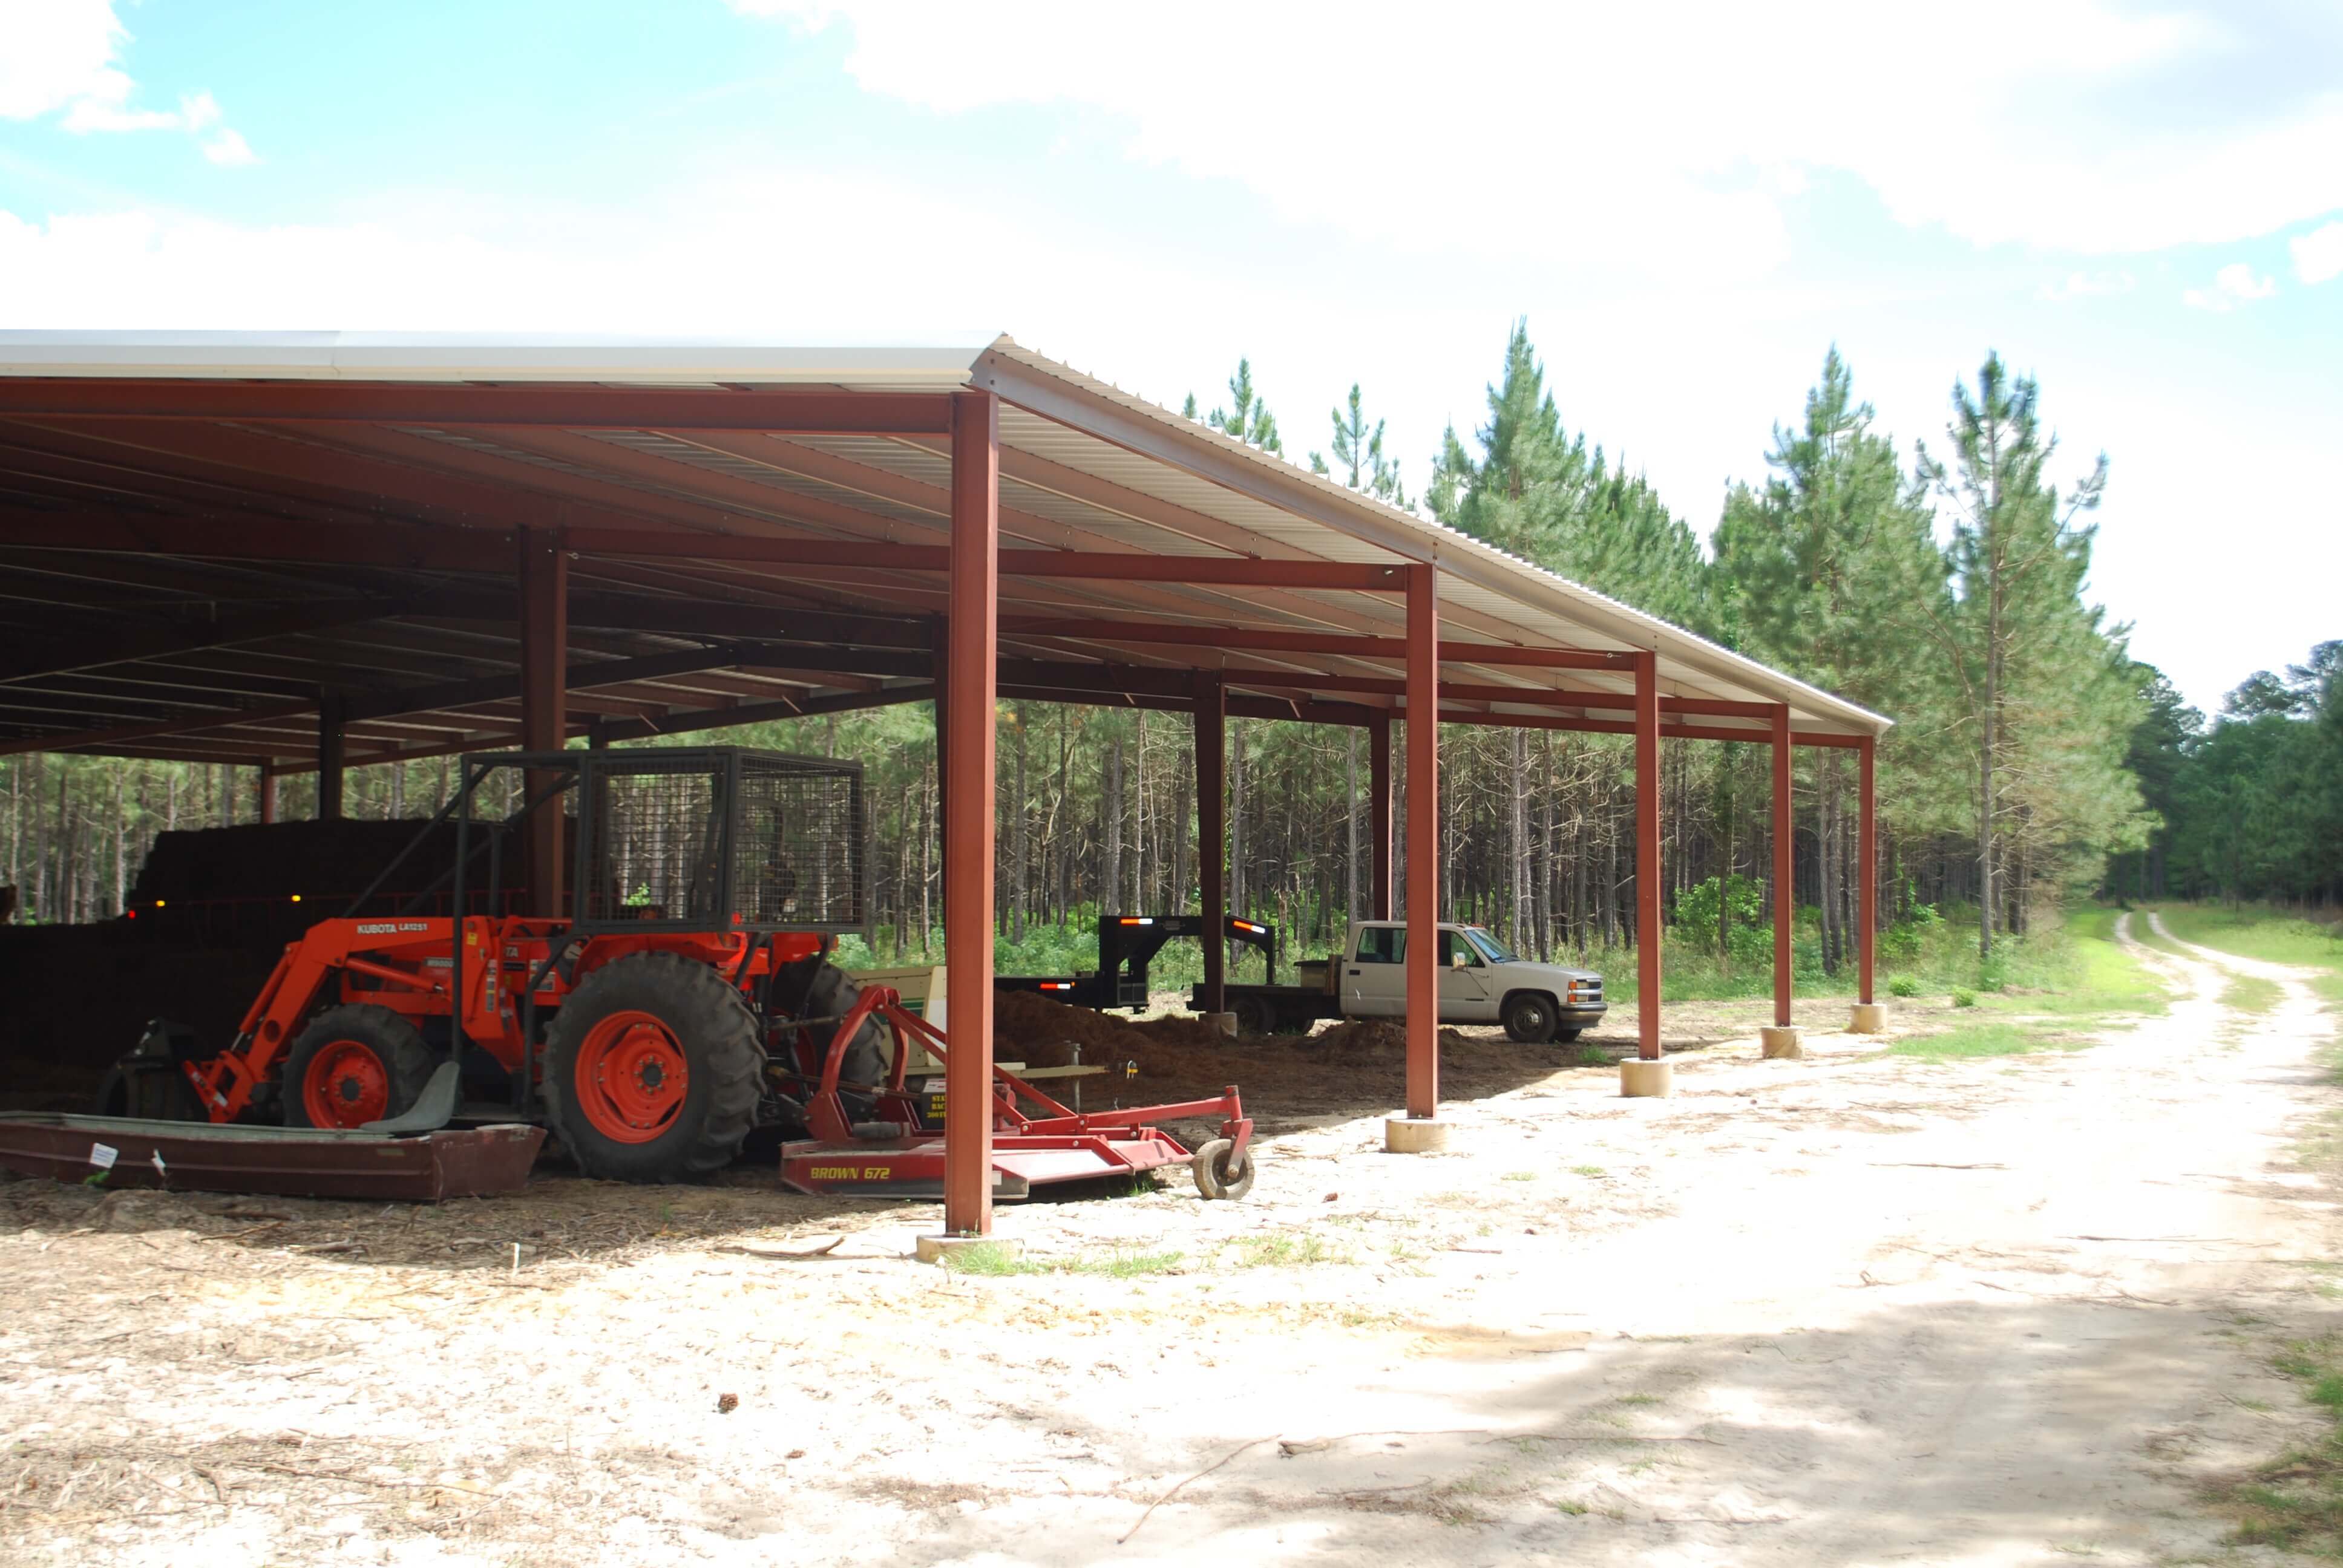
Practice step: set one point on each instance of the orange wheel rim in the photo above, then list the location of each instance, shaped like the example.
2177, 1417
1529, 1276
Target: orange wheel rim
346, 1086
632, 1077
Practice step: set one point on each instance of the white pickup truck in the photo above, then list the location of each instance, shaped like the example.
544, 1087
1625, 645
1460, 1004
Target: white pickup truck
1481, 981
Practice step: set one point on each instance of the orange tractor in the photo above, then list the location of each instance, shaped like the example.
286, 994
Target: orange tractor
685, 1001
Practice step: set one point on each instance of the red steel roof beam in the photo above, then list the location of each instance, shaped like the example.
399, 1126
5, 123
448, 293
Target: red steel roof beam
575, 407
1310, 642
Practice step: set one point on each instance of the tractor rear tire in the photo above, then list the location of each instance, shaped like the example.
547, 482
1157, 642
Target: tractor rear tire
653, 1070
353, 1065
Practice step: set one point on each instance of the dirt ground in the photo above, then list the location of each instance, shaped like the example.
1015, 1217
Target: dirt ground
1862, 1307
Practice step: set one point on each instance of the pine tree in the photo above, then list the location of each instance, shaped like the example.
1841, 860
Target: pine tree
1359, 458
1247, 417
2034, 670
1543, 495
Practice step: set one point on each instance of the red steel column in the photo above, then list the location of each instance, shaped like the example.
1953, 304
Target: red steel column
1647, 855
544, 718
330, 752
1211, 735
1422, 841
1379, 814
264, 788
975, 607
1786, 888
1868, 859
940, 665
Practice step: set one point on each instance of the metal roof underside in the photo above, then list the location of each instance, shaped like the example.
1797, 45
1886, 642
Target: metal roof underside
130, 626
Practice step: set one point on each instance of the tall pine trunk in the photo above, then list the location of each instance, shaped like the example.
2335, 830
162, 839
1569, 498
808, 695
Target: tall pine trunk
1111, 852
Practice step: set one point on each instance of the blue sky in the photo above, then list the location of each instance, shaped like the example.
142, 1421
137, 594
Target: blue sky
2139, 202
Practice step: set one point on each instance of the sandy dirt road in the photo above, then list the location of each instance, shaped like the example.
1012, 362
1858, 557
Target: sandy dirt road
1857, 1309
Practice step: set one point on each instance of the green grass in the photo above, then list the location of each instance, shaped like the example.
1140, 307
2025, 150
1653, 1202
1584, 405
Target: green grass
1972, 1039
2250, 993
1285, 1250
2076, 958
1589, 1172
2258, 933
2296, 1500
995, 1261
1518, 1176
2042, 987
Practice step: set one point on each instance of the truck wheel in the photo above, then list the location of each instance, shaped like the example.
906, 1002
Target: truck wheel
1216, 1176
651, 1070
354, 1065
1528, 1019
1254, 1016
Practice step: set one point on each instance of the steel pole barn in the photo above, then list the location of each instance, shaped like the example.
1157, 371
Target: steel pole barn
296, 553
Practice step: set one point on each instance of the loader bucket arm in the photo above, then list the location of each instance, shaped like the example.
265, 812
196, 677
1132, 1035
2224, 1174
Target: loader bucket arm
225, 1083
303, 976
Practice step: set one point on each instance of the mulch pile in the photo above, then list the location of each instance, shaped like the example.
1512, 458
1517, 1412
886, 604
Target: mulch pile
1337, 1071
321, 860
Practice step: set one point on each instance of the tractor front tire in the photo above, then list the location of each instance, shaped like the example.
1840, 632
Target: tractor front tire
652, 1071
353, 1065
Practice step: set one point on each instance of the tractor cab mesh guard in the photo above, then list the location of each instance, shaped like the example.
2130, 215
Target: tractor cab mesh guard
671, 839
699, 838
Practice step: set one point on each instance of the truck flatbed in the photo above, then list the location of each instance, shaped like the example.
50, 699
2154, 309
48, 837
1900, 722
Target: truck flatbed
1127, 946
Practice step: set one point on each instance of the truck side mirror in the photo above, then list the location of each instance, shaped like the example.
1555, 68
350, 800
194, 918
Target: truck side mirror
1456, 960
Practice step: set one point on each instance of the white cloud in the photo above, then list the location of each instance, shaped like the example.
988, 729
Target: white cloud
746, 252
2233, 285
229, 147
2039, 122
61, 55
2086, 286
2318, 255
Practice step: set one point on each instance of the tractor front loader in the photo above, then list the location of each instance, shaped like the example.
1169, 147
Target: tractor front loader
632, 1025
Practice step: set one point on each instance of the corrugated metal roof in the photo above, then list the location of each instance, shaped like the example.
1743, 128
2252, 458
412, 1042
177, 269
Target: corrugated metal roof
1085, 465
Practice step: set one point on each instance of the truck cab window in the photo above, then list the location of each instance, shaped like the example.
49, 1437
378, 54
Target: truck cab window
1495, 952
1381, 945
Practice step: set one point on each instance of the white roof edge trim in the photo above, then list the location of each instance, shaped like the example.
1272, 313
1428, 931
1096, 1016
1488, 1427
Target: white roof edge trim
1008, 369
429, 357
